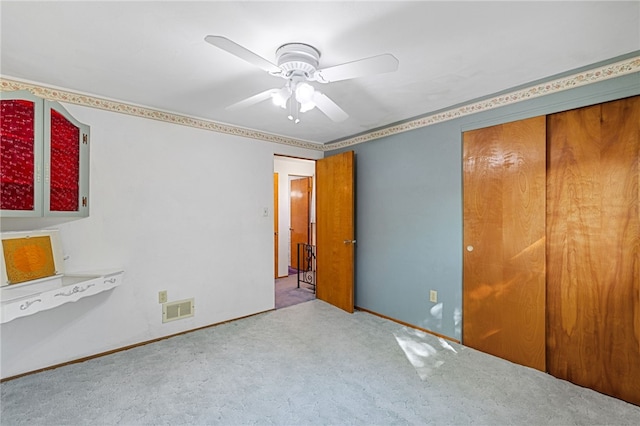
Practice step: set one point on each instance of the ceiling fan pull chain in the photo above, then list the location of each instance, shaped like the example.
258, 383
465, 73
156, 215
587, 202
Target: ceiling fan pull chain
291, 101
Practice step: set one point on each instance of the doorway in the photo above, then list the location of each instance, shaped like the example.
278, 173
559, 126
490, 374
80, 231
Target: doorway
334, 256
294, 200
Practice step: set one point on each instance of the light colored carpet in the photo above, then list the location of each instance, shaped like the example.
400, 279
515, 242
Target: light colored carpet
306, 364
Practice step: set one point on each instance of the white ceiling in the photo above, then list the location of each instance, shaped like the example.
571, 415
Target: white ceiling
153, 53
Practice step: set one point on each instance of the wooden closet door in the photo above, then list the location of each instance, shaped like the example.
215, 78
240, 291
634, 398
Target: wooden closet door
593, 248
504, 241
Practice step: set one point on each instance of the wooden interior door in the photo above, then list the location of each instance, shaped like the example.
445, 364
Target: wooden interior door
300, 204
275, 225
504, 241
335, 230
593, 245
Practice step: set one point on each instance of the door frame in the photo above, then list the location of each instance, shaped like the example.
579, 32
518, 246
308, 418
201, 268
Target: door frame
339, 177
284, 207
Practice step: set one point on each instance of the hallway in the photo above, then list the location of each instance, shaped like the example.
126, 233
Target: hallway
288, 293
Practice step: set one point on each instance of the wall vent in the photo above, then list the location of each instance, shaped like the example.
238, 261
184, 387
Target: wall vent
172, 311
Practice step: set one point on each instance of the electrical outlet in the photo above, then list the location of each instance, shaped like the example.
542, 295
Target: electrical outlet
162, 296
433, 296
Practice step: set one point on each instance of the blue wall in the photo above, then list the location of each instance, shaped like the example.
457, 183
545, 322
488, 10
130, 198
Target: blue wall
409, 209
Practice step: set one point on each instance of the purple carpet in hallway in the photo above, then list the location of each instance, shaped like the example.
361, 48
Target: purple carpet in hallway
288, 293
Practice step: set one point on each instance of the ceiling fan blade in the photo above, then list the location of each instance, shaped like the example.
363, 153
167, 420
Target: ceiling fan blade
328, 107
368, 66
252, 100
242, 53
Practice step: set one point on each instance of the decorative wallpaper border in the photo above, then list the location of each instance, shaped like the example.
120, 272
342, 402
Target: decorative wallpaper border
7, 84
584, 78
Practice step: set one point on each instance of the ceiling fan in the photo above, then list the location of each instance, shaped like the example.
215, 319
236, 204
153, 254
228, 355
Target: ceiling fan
298, 64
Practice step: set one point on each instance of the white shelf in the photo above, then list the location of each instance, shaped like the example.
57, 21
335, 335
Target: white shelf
20, 300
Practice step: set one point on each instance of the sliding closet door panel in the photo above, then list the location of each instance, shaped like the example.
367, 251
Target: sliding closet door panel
593, 247
504, 241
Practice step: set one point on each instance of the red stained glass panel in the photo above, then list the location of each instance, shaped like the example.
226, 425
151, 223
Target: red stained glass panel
17, 150
65, 164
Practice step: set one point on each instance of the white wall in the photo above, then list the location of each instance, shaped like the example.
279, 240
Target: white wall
286, 167
179, 209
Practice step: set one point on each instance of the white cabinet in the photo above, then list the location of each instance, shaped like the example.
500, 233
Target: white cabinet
44, 163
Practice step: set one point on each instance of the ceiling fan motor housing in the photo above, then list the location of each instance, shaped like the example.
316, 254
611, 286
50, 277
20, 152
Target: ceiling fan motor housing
298, 59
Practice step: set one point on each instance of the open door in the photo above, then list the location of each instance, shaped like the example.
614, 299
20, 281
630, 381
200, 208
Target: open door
275, 225
335, 230
300, 205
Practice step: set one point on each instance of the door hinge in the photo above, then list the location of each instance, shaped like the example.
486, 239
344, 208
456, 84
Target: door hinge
84, 201
85, 139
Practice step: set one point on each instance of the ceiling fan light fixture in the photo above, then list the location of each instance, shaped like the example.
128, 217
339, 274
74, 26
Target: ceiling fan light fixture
304, 93
280, 97
298, 63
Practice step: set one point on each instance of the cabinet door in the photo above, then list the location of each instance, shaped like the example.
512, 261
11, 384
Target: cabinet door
66, 159
21, 154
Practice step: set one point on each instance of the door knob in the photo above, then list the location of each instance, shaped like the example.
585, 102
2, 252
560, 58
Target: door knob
469, 248
349, 241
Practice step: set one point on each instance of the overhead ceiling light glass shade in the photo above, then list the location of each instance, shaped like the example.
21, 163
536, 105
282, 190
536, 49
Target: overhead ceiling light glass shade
281, 96
304, 93
301, 102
